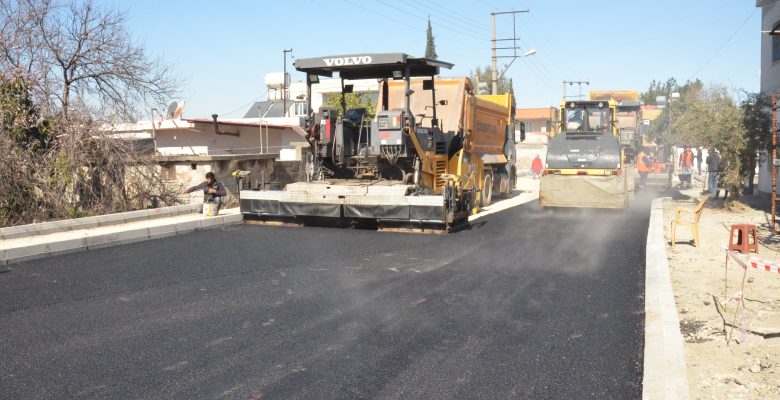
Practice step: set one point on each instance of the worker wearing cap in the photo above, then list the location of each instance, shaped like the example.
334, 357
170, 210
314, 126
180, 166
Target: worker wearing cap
686, 167
644, 165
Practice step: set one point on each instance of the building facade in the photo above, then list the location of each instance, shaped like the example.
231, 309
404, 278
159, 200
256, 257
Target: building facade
539, 122
770, 69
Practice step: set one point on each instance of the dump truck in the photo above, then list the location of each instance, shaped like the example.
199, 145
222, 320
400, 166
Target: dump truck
629, 115
432, 155
586, 164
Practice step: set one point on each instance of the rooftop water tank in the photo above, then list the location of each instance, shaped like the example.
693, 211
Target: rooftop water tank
277, 80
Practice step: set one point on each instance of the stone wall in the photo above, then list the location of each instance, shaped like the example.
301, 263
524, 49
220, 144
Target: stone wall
275, 174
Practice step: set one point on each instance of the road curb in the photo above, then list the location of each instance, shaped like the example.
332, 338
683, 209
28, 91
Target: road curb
68, 240
665, 373
45, 228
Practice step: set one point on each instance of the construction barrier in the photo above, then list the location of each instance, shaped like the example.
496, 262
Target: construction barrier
746, 261
754, 262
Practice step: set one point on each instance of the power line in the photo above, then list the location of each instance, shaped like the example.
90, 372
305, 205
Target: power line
539, 61
494, 45
724, 44
536, 65
549, 42
374, 12
423, 19
245, 105
449, 16
440, 16
469, 21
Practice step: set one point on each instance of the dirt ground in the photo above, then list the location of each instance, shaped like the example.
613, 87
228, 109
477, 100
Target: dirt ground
731, 351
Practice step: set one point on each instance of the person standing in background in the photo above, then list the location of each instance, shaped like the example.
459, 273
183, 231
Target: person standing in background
698, 159
536, 167
713, 168
686, 167
644, 165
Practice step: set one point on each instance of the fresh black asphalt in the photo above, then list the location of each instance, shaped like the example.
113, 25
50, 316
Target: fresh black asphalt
528, 303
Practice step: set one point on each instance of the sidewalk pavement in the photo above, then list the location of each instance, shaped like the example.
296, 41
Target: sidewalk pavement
27, 242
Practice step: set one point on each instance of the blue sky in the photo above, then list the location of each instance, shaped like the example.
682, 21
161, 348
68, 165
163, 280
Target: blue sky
222, 50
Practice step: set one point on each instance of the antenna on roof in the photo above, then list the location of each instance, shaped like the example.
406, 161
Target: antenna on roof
179, 109
171, 109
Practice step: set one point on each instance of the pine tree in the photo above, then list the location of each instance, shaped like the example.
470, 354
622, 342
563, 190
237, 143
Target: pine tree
511, 87
430, 48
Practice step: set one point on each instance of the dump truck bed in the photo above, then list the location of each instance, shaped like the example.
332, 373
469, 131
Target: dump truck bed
485, 118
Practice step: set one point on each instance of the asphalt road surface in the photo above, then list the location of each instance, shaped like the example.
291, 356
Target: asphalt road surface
528, 303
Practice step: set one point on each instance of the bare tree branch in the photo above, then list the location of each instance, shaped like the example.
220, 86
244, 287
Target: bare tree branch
81, 48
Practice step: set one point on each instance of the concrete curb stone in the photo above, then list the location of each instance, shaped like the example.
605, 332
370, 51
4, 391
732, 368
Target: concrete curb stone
45, 228
66, 246
14, 232
133, 235
69, 240
188, 226
24, 253
665, 372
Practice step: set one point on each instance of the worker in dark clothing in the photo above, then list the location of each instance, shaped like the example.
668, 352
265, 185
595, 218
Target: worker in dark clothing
212, 189
698, 157
713, 169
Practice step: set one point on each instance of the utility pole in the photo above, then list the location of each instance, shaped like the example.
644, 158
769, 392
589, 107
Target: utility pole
579, 83
493, 60
773, 164
494, 47
284, 81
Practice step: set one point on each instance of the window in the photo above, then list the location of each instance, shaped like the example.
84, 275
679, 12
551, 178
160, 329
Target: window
300, 108
168, 172
587, 118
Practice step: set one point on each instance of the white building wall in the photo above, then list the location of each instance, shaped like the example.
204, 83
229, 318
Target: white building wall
201, 140
770, 73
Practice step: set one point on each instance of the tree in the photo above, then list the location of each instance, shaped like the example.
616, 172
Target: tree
712, 119
430, 46
80, 52
19, 118
354, 100
485, 75
661, 131
23, 138
64, 67
658, 88
757, 122
511, 88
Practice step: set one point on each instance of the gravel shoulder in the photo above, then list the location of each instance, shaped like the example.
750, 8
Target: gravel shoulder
732, 352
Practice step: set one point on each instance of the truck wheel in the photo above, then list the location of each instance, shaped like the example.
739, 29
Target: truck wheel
487, 190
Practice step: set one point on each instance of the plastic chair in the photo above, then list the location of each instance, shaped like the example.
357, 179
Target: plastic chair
746, 238
691, 219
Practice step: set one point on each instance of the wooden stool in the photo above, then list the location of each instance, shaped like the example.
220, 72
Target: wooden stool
746, 238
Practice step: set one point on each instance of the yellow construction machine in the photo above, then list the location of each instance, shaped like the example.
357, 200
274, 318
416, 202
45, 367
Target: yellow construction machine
432, 155
586, 166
